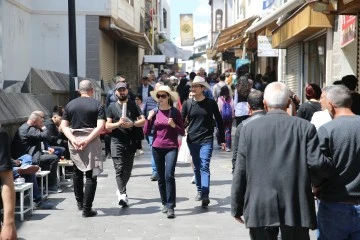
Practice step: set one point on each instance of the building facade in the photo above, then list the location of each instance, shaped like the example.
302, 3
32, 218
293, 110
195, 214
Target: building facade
35, 35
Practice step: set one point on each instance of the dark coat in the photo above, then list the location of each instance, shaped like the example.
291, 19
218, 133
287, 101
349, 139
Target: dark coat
150, 88
278, 158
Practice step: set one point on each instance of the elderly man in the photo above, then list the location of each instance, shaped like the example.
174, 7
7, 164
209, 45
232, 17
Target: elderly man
339, 208
28, 139
86, 118
278, 159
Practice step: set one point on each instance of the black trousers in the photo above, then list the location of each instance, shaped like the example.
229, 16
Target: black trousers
49, 162
287, 233
123, 159
86, 197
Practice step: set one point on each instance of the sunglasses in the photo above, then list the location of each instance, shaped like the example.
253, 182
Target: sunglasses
161, 95
195, 86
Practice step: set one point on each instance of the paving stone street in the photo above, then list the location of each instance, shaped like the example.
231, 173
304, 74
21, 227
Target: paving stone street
143, 218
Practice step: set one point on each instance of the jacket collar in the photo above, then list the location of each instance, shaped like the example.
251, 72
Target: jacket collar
277, 111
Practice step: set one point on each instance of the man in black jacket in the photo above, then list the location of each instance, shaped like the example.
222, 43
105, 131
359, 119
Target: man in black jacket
145, 89
27, 140
278, 158
56, 139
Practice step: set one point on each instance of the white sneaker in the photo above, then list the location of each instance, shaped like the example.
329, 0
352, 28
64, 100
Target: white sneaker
228, 149
118, 195
140, 152
124, 201
193, 180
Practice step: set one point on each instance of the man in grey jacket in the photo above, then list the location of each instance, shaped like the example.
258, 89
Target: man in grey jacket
339, 207
278, 158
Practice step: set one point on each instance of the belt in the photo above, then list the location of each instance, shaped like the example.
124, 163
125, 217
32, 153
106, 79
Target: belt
355, 201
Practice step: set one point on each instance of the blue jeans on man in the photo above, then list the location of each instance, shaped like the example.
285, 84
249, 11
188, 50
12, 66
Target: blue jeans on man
337, 221
165, 160
201, 155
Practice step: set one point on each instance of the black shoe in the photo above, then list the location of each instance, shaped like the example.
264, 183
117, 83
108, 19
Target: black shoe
89, 213
170, 213
205, 202
154, 177
80, 206
198, 197
164, 209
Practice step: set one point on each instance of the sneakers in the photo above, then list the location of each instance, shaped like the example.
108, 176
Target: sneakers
43, 205
205, 202
164, 209
89, 213
123, 199
198, 197
193, 180
154, 177
139, 152
170, 213
55, 190
228, 149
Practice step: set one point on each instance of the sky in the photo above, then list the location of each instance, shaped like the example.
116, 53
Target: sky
201, 17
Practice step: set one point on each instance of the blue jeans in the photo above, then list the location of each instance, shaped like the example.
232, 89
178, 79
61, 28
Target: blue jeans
201, 154
153, 165
165, 160
338, 221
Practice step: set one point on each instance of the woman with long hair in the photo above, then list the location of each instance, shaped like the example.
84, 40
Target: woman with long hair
226, 108
167, 124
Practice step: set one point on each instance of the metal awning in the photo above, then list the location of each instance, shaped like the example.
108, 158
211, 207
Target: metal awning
233, 35
284, 9
304, 23
110, 26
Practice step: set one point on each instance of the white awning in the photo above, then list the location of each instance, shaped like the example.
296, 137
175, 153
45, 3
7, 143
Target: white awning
287, 7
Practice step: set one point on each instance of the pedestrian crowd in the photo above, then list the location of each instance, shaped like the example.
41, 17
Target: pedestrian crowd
287, 157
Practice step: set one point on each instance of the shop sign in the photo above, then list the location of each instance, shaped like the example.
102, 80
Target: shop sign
348, 29
264, 47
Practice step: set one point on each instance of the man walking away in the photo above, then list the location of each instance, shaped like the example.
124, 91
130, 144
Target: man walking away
256, 105
339, 207
278, 159
86, 117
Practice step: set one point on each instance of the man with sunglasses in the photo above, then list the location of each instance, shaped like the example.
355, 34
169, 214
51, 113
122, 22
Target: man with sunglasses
123, 138
200, 112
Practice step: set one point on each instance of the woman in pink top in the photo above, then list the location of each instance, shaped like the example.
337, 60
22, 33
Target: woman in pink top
166, 123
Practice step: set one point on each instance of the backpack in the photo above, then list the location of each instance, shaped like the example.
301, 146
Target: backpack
226, 111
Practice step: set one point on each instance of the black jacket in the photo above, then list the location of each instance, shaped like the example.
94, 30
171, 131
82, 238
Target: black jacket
27, 140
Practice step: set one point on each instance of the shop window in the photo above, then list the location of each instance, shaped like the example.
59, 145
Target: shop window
317, 61
218, 20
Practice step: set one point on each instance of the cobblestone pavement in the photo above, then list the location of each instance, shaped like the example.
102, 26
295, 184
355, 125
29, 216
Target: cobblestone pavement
142, 219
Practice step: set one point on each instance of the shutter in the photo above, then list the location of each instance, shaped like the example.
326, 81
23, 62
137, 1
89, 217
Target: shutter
107, 59
293, 68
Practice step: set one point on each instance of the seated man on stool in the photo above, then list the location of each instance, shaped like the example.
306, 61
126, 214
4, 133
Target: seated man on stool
56, 139
27, 140
22, 168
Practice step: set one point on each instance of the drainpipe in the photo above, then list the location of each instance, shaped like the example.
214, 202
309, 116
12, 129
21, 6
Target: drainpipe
161, 12
226, 13
212, 25
72, 48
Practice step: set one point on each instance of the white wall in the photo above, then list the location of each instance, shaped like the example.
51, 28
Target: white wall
80, 5
50, 43
16, 39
